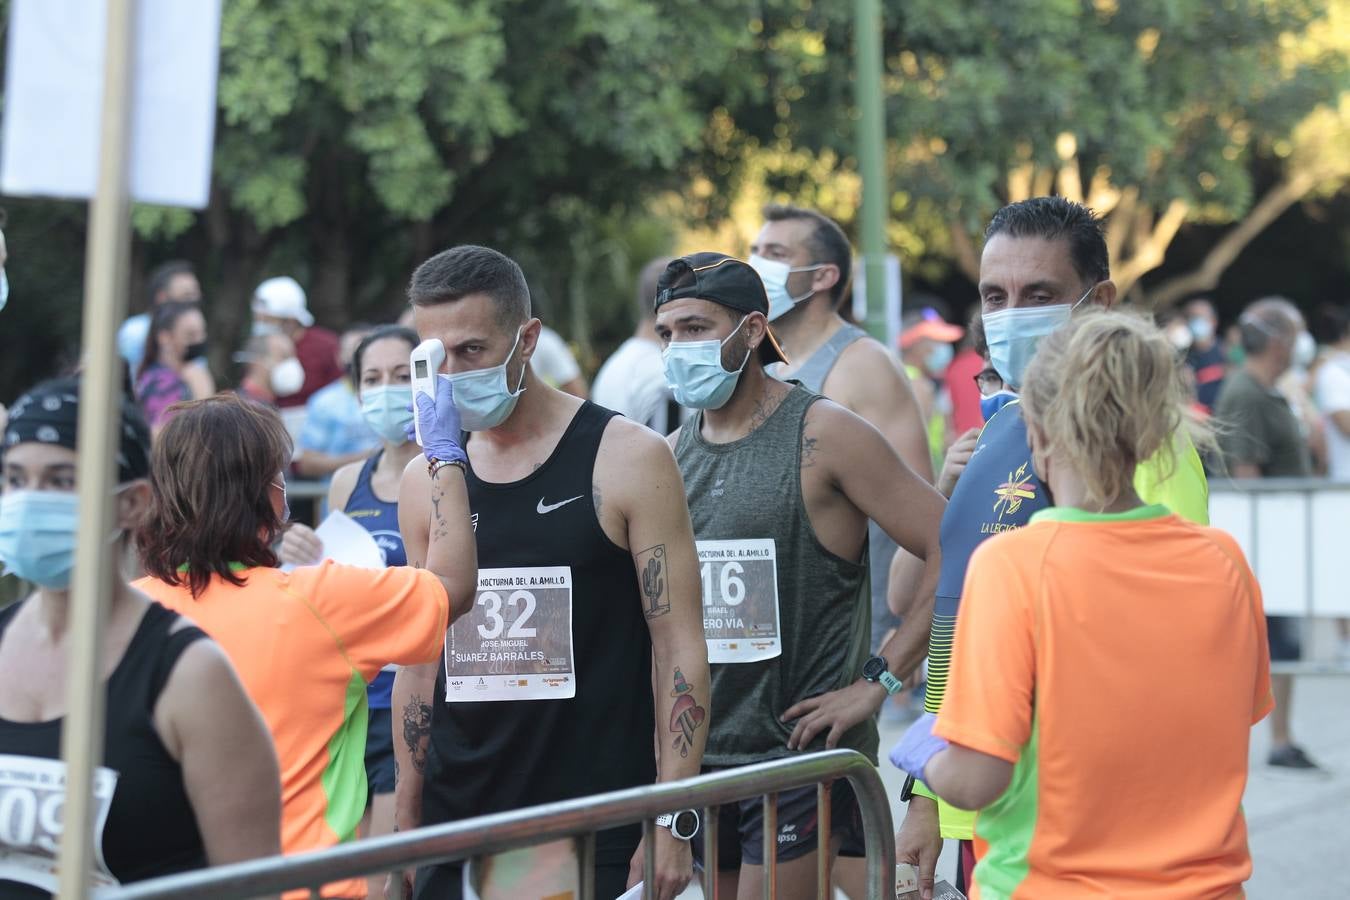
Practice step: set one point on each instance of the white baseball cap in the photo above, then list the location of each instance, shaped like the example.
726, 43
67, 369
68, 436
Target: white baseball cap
283, 298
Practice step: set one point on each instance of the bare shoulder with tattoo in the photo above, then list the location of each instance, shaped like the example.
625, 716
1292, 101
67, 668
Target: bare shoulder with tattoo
827, 430
633, 462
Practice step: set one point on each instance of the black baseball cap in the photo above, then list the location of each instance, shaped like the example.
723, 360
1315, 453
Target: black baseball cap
724, 280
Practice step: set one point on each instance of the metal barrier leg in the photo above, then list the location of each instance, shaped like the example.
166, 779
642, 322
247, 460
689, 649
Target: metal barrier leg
586, 865
710, 861
770, 846
824, 858
648, 858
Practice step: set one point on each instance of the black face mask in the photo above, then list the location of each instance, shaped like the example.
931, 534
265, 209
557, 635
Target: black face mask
194, 351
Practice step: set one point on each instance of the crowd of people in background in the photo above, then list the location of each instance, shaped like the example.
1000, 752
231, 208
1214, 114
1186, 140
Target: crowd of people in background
271, 699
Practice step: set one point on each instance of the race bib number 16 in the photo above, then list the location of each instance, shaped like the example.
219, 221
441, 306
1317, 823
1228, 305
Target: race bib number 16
740, 600
516, 642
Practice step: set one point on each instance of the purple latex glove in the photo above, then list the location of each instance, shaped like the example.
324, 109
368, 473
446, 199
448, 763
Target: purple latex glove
918, 746
440, 423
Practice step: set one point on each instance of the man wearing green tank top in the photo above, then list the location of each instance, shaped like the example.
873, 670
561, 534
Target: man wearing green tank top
781, 484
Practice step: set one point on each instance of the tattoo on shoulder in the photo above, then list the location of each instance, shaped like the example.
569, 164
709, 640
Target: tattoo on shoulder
595, 498
808, 451
685, 714
651, 563
417, 731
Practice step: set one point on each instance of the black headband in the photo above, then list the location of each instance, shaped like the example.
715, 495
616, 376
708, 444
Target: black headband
49, 414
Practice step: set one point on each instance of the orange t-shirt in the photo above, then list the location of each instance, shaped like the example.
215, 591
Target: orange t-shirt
305, 645
1119, 661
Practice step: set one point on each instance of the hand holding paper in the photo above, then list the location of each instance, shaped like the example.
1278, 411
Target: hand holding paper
338, 538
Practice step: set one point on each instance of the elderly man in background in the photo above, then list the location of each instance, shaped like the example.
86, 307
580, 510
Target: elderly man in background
1261, 438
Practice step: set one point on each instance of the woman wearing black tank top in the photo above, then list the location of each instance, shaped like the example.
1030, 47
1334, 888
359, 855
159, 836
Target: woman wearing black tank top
189, 776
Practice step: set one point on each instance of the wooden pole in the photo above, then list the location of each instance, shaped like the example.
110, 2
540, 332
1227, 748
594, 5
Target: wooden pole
105, 301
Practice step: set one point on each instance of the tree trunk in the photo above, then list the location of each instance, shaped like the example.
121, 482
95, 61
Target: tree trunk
241, 254
1206, 276
330, 247
1149, 245
963, 249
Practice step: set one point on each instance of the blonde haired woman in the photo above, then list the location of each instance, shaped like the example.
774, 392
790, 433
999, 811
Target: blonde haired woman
1110, 658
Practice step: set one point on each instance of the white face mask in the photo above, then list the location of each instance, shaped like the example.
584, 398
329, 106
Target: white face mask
1305, 350
775, 274
287, 377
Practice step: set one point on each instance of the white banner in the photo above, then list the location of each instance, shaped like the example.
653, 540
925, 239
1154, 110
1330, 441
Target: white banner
54, 92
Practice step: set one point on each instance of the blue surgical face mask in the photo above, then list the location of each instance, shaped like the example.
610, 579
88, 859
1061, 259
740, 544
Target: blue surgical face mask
386, 409
775, 274
4, 289
695, 375
1013, 334
994, 402
37, 536
939, 358
1201, 328
482, 397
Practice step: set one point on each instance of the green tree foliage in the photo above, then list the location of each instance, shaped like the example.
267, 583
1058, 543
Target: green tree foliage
358, 138
1150, 110
354, 139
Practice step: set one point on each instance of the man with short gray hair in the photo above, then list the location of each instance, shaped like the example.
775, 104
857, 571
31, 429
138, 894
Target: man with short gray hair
1261, 438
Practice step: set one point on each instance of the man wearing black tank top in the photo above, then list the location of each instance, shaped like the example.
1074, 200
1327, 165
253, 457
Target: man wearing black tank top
781, 485
586, 637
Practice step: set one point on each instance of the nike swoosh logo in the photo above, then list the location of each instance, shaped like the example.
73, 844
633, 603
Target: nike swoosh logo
544, 508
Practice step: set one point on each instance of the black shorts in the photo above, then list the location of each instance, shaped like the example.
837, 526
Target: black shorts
740, 826
1282, 633
380, 752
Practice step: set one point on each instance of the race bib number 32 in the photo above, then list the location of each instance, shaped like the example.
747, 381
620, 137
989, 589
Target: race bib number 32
516, 642
740, 600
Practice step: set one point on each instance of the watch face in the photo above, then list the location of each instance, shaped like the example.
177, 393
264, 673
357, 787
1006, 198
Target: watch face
873, 668
685, 824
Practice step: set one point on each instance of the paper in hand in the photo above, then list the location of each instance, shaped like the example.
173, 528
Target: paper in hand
346, 542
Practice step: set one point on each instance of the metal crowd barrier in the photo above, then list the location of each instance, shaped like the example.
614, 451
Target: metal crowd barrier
578, 819
1293, 533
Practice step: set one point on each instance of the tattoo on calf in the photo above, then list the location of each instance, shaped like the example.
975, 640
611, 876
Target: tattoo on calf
417, 731
652, 564
685, 714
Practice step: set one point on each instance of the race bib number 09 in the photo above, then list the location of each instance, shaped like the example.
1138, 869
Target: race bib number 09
740, 600
516, 642
32, 807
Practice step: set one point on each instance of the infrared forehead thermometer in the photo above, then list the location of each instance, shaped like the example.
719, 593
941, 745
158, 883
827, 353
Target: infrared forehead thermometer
425, 361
